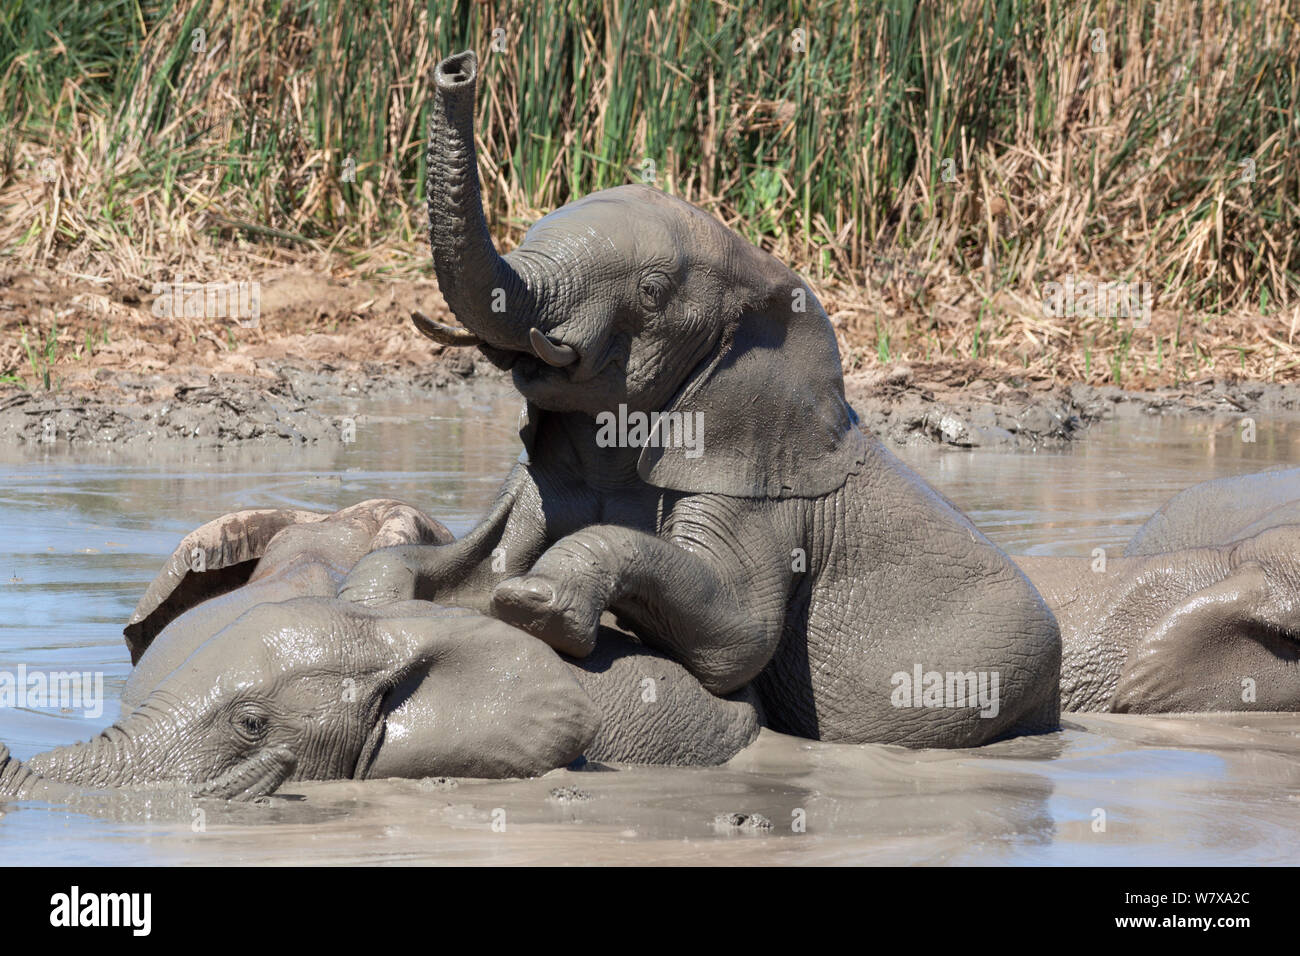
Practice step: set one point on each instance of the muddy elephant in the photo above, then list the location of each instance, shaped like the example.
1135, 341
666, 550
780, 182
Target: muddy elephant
693, 467
256, 556
1201, 614
1219, 511
340, 691
259, 676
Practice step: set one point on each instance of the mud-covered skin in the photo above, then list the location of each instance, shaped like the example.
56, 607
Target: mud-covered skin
299, 553
246, 558
258, 775
655, 712
792, 551
1213, 625
326, 689
1219, 511
320, 679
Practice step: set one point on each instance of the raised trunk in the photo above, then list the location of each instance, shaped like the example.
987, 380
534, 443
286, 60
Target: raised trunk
472, 275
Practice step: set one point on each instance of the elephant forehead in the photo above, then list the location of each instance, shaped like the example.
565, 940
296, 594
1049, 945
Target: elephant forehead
609, 223
272, 639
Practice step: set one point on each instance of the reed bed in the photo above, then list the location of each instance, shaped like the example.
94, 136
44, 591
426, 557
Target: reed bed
928, 166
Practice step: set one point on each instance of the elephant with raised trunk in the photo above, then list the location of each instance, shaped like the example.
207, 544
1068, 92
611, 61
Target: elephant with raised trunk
779, 546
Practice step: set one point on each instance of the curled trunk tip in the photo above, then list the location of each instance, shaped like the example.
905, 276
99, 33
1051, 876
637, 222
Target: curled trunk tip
482, 290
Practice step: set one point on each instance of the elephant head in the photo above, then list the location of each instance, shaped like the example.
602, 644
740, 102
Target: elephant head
319, 679
260, 556
630, 298
289, 552
1209, 628
1230, 637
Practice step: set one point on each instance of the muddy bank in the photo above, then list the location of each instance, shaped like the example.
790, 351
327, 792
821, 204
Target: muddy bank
293, 405
968, 406
89, 363
297, 403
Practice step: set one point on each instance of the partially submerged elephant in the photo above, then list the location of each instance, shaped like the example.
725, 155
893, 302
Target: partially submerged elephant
1201, 614
251, 557
249, 684
693, 466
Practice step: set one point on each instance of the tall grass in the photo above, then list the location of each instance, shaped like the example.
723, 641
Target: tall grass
907, 143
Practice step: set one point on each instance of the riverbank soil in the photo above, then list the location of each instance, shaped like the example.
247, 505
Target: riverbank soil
86, 361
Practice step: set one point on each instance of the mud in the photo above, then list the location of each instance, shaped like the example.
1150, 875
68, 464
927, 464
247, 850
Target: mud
964, 406
311, 403
298, 406
1104, 790
82, 534
99, 369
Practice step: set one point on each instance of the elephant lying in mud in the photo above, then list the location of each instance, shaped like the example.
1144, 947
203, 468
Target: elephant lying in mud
314, 688
1201, 614
693, 466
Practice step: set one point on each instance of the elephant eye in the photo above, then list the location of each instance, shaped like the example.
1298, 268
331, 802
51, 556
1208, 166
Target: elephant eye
251, 724
654, 292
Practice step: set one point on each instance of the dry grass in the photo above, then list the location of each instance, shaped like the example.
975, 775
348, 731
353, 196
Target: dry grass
1120, 156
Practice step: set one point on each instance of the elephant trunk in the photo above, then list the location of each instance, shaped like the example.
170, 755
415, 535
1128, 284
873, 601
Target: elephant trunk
16, 780
479, 285
108, 761
115, 760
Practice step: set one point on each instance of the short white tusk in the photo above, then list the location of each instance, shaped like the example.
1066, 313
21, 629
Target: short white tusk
444, 334
552, 353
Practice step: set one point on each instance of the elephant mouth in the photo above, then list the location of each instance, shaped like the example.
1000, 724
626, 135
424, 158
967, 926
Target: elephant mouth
259, 775
544, 351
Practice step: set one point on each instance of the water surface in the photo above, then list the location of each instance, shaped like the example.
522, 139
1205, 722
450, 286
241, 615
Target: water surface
82, 533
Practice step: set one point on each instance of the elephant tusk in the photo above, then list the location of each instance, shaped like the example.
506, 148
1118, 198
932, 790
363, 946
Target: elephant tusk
552, 353
444, 334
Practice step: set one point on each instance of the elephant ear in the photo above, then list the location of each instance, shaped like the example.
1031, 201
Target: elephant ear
1198, 656
211, 560
767, 410
511, 707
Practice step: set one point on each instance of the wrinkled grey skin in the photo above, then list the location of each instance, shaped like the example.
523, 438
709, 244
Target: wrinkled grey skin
1219, 511
794, 552
1204, 626
258, 774
216, 574
313, 688
252, 557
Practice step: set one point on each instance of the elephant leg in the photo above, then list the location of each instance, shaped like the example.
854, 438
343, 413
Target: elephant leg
654, 712
702, 596
463, 572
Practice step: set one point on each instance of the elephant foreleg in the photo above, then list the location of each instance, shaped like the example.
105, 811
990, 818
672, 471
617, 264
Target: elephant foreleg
704, 597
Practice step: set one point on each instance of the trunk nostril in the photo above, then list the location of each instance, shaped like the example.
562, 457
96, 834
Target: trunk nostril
457, 70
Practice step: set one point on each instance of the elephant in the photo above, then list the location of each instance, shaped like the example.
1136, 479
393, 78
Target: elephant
1202, 613
692, 466
256, 556
1220, 511
251, 685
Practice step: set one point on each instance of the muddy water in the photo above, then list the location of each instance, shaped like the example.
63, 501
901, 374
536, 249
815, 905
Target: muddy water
82, 534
